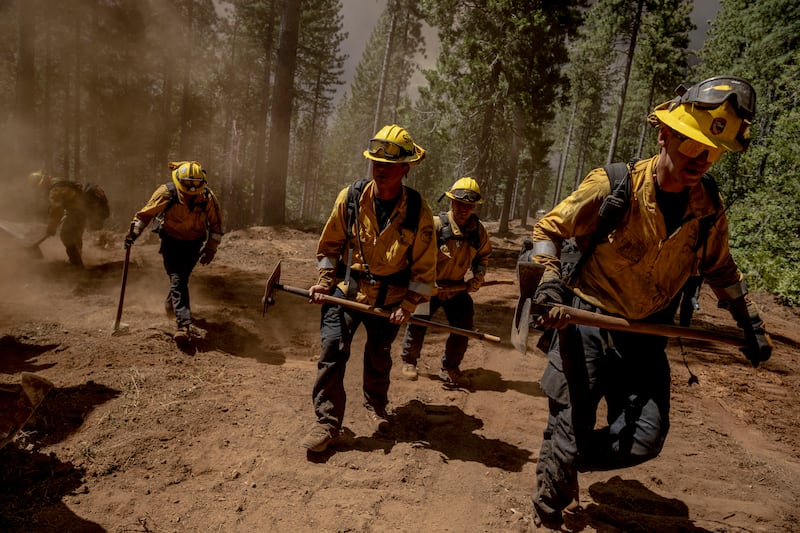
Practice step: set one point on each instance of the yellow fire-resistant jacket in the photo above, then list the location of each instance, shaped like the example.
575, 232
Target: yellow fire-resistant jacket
385, 252
639, 268
457, 256
64, 197
193, 217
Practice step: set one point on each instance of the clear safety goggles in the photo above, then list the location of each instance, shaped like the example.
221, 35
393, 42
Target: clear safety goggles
465, 195
714, 92
691, 148
387, 149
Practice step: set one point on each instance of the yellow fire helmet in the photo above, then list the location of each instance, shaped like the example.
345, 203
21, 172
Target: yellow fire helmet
37, 179
716, 112
188, 176
393, 144
465, 190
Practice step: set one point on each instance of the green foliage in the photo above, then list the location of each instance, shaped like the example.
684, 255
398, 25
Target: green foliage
494, 90
758, 40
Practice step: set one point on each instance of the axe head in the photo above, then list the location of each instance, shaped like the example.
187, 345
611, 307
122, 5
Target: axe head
269, 290
528, 276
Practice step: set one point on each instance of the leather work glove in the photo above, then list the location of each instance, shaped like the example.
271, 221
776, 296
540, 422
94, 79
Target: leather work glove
473, 285
551, 293
207, 255
131, 237
759, 343
526, 253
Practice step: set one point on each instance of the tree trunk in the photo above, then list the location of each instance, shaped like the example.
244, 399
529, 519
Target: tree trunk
186, 89
25, 84
280, 123
376, 121
259, 196
565, 153
76, 104
645, 125
512, 173
621, 98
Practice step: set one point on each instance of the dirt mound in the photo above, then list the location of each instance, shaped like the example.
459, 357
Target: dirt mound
138, 435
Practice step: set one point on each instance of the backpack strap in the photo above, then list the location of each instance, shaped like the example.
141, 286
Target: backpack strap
158, 221
611, 211
353, 198
446, 233
413, 209
707, 222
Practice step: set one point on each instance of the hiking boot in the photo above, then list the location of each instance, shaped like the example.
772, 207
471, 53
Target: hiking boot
547, 523
409, 371
182, 335
453, 377
377, 418
319, 438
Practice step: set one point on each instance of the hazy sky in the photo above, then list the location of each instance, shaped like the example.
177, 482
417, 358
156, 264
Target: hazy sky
360, 17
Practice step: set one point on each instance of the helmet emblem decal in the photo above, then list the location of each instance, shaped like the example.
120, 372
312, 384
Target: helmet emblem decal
718, 126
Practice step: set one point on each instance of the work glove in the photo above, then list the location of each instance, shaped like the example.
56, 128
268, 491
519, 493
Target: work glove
549, 293
759, 343
207, 255
473, 285
131, 237
526, 253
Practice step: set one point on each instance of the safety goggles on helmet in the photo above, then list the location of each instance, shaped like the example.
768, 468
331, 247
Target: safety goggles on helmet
691, 148
713, 92
387, 149
464, 195
192, 184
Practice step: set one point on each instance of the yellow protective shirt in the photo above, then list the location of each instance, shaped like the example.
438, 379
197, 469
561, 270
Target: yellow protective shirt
192, 218
386, 251
457, 255
639, 268
63, 197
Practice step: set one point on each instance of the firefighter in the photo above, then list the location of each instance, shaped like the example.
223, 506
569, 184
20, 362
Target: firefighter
377, 248
72, 205
673, 228
189, 223
463, 256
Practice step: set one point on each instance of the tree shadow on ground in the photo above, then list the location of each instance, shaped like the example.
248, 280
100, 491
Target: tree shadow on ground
444, 428
627, 505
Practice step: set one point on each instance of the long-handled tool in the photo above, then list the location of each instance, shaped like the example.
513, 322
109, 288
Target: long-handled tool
18, 402
458, 286
273, 284
118, 327
529, 275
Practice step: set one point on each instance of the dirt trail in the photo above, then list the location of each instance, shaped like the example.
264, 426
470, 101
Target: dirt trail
139, 436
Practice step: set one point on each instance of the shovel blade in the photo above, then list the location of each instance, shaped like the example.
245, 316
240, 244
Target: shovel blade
519, 328
269, 289
528, 275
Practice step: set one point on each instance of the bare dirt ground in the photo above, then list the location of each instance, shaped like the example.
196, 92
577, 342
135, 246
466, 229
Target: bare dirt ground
138, 436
